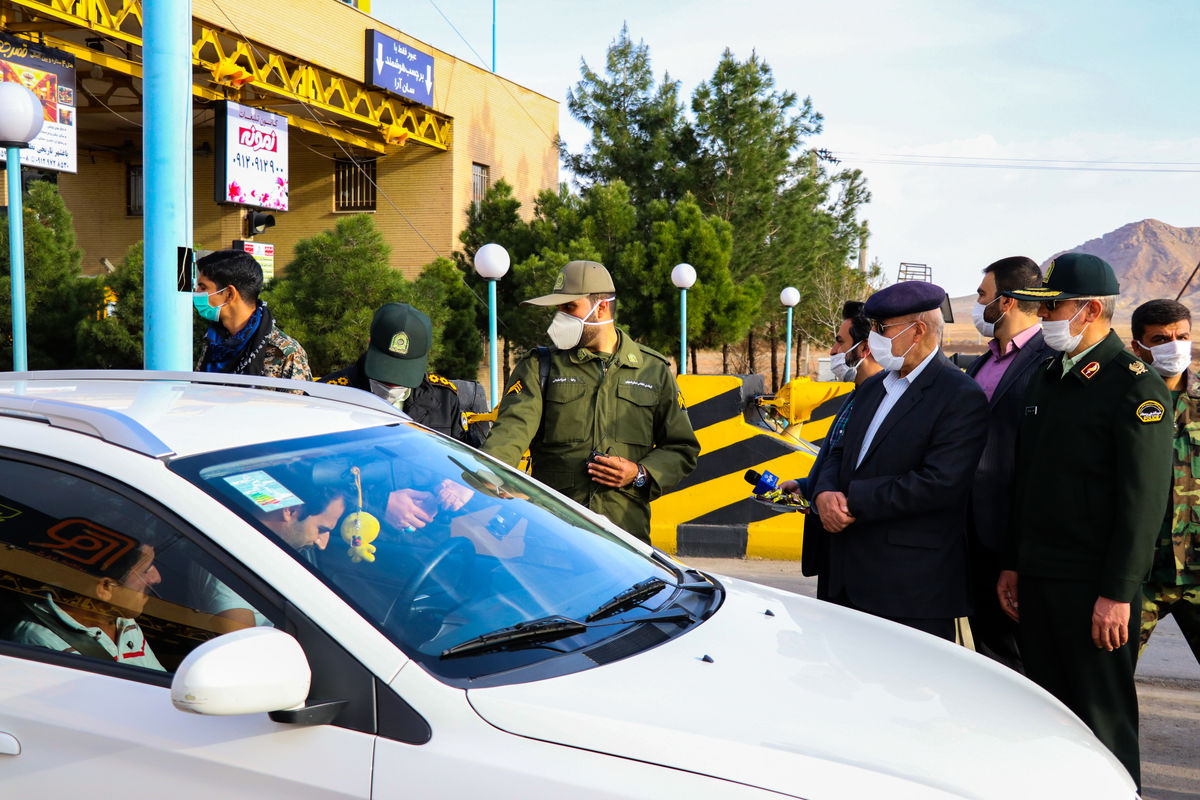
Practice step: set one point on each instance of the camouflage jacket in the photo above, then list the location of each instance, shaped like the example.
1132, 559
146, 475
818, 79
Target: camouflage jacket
1177, 552
285, 358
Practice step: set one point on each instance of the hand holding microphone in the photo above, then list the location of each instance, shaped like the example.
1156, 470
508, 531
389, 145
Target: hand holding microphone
766, 491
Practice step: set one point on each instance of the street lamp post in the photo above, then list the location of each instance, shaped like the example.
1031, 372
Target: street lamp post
491, 262
20, 123
789, 297
684, 277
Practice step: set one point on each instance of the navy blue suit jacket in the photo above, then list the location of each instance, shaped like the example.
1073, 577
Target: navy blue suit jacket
905, 555
991, 494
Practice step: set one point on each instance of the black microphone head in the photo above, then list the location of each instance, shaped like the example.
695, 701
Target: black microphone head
752, 477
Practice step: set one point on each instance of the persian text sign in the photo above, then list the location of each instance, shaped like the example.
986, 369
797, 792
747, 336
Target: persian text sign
49, 74
399, 68
252, 157
263, 253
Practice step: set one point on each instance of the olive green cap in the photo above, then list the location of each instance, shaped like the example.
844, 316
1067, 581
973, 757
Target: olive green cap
1072, 275
578, 279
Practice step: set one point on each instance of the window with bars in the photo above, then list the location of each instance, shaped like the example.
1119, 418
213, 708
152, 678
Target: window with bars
480, 180
354, 185
135, 190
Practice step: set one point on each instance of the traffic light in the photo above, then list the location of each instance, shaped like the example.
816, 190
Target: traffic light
255, 222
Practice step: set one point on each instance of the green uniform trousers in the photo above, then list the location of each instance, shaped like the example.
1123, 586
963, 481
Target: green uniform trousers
1060, 656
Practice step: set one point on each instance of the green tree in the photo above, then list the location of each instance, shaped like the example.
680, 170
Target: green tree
326, 297
639, 131
440, 292
115, 341
57, 297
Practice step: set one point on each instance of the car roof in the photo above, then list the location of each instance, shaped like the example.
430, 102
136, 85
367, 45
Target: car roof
173, 414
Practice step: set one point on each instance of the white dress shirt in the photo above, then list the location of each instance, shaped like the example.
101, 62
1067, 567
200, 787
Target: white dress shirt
893, 387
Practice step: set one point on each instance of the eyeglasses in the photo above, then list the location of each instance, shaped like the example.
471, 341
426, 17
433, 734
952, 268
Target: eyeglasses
879, 327
1050, 305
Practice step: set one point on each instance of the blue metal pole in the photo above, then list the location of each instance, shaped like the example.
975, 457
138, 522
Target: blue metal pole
683, 331
493, 35
16, 252
787, 368
493, 367
167, 156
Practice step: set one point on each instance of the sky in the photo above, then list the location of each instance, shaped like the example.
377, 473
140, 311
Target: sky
984, 129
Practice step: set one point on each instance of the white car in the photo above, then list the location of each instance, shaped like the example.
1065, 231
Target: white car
184, 616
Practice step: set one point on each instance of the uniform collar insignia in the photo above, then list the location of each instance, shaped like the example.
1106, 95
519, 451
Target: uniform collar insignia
1090, 370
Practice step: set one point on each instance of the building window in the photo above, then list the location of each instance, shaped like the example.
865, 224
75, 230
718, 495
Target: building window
135, 190
480, 180
354, 185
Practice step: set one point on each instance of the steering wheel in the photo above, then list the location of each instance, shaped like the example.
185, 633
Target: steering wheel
407, 594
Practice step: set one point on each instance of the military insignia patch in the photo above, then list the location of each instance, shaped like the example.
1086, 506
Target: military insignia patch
633, 359
1090, 370
516, 388
559, 281
1137, 368
399, 344
1151, 411
679, 399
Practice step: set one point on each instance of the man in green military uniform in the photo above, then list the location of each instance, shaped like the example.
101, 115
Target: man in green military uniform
1093, 468
1162, 337
603, 394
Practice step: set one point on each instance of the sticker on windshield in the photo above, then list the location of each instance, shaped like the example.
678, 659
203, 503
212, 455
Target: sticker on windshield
264, 491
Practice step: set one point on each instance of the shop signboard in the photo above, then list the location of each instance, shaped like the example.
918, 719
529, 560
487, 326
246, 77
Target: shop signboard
399, 68
251, 157
49, 74
263, 253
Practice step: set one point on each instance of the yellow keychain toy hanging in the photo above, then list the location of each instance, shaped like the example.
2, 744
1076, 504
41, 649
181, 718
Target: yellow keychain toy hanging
360, 528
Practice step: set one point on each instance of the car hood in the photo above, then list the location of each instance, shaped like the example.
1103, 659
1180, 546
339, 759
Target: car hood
805, 698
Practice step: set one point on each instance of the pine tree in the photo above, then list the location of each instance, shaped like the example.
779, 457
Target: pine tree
115, 341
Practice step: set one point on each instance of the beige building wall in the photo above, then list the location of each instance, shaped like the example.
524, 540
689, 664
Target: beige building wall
423, 192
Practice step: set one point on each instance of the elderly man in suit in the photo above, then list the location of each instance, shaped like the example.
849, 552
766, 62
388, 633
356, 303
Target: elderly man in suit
1015, 350
894, 489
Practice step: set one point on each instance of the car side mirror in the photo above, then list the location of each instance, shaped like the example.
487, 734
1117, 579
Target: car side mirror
250, 671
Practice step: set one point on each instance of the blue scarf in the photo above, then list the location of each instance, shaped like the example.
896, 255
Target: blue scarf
223, 351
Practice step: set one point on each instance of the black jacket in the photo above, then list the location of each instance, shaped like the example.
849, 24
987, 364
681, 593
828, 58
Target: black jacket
434, 404
991, 493
905, 555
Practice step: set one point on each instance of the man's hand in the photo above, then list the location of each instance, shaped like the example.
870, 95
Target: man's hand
612, 471
408, 508
1110, 624
453, 496
1006, 591
789, 486
834, 512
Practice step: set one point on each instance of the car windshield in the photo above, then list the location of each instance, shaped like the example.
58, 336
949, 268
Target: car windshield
467, 565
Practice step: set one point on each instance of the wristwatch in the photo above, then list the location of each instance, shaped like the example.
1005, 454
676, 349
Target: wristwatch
640, 480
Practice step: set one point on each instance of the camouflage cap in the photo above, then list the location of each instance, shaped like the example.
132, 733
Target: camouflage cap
578, 279
1072, 275
399, 348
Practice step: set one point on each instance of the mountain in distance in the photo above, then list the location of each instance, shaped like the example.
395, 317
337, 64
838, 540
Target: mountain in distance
1151, 259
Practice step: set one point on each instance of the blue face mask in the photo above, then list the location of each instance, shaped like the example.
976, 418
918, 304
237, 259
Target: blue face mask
207, 312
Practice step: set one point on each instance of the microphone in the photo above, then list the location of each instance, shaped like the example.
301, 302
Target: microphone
765, 491
763, 483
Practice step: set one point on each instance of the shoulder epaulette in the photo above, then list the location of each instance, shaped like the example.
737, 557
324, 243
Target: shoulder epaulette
652, 352
1137, 368
438, 380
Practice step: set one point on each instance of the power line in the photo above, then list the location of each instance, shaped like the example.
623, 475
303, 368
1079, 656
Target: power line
1049, 166
1017, 158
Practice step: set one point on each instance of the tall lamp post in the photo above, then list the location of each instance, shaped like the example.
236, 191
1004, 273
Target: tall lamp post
20, 123
684, 277
789, 297
491, 262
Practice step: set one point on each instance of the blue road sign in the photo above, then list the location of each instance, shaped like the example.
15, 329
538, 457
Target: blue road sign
399, 68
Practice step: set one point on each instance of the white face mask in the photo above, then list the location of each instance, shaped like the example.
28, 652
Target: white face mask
1057, 333
566, 331
840, 369
985, 328
881, 349
1170, 358
394, 395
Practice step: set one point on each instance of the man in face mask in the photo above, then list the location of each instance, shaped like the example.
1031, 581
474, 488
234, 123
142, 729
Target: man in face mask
850, 360
893, 490
605, 423
1015, 350
1091, 479
1162, 336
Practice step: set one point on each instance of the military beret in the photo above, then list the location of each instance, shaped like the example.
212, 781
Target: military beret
1072, 275
906, 297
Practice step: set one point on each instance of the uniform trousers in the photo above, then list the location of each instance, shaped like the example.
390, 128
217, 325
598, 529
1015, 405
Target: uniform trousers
994, 632
1060, 656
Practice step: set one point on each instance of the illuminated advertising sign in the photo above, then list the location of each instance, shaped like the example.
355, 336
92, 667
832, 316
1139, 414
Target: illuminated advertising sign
49, 74
251, 157
399, 68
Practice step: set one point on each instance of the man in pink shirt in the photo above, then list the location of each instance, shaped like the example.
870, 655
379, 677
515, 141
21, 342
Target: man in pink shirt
1015, 349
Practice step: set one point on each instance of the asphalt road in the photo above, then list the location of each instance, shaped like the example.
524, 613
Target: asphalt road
1168, 686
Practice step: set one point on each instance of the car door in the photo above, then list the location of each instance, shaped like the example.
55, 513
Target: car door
95, 717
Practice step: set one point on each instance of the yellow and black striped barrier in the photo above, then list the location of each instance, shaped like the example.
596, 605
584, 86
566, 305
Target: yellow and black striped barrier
711, 513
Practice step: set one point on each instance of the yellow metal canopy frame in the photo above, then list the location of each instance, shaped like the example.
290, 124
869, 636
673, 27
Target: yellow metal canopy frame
235, 66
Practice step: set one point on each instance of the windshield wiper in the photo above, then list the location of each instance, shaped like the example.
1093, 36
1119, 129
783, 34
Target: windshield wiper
631, 597
539, 630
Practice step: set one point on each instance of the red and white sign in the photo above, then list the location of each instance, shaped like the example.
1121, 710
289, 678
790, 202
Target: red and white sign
252, 157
